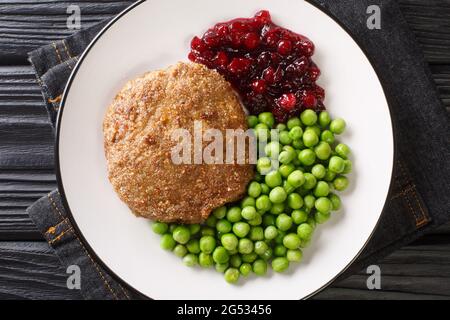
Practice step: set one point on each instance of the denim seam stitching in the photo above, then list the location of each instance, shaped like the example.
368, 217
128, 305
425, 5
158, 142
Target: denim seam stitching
92, 261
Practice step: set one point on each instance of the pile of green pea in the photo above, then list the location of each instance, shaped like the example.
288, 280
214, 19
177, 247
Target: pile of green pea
284, 203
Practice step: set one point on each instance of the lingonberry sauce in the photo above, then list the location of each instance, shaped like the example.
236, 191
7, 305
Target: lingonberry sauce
270, 66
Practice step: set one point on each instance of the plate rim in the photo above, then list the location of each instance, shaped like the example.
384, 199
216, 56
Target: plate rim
60, 185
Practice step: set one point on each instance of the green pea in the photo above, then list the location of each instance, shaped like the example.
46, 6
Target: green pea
207, 231
277, 208
342, 150
252, 121
293, 122
245, 269
205, 260
247, 202
260, 247
270, 233
222, 267
316, 129
272, 149
291, 241
207, 244
167, 242
235, 261
285, 138
241, 229
294, 255
322, 189
286, 157
283, 222
256, 233
335, 201
220, 255
268, 220
193, 246
348, 166
323, 150
245, 246
263, 203
267, 255
232, 275
277, 195
323, 205
299, 216
279, 237
211, 221
194, 228
324, 119
172, 227
310, 181
307, 157
281, 127
321, 217
223, 226
254, 189
249, 213
340, 183
336, 164
309, 201
234, 214
263, 165
273, 179
266, 118
286, 169
190, 260
256, 221
327, 136
296, 178
280, 250
260, 267
296, 133
264, 188
319, 171
310, 138
294, 201
329, 176
160, 227
337, 126
305, 231
280, 264
312, 222
288, 187
308, 117
220, 212
180, 250
249, 257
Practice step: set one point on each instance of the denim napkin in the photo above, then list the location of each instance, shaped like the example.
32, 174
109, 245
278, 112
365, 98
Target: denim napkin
418, 198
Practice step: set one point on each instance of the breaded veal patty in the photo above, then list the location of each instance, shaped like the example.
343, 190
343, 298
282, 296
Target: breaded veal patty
138, 144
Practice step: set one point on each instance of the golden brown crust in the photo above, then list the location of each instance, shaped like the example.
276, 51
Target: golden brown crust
137, 137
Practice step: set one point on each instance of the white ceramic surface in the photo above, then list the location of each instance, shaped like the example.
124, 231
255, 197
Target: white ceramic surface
156, 34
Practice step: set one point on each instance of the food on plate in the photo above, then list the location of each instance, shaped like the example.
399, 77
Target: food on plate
271, 67
276, 220
137, 138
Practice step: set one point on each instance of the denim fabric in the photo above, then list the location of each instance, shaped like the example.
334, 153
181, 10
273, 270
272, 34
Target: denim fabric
419, 195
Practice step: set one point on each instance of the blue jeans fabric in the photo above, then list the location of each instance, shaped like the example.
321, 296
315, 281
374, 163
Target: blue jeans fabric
419, 198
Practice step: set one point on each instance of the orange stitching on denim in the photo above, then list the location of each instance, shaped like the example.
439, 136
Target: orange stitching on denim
82, 246
57, 52
57, 99
66, 49
124, 291
420, 221
60, 235
403, 192
52, 229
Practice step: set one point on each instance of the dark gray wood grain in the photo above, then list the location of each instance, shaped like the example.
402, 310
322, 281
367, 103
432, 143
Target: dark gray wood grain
29, 270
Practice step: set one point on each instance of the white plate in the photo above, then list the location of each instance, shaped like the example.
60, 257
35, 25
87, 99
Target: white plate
156, 34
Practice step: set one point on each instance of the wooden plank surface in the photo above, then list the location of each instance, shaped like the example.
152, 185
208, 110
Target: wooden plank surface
28, 268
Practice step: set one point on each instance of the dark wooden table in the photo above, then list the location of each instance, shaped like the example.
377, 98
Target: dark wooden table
29, 269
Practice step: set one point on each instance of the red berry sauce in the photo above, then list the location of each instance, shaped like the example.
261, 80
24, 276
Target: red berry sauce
270, 66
